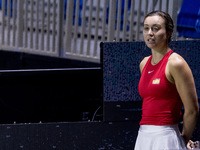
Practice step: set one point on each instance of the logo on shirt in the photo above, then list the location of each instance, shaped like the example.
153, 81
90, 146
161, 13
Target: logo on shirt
150, 71
156, 81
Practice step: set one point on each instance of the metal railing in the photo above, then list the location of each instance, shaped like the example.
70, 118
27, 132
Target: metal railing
74, 28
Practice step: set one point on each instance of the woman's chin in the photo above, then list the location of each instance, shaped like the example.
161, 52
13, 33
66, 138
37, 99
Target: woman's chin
150, 46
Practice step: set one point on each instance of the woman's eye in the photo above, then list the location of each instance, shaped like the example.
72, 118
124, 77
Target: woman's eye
155, 29
146, 28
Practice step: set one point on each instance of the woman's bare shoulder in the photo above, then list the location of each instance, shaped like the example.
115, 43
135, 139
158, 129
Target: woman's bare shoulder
143, 63
176, 61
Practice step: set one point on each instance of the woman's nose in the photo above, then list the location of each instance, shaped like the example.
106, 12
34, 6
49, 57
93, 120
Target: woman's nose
150, 32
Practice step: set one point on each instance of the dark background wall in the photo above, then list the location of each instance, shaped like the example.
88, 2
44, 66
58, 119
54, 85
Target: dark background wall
121, 66
35, 88
121, 77
12, 60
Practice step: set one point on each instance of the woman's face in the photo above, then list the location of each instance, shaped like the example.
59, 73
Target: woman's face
154, 32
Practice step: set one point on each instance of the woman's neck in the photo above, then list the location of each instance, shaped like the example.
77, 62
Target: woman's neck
158, 54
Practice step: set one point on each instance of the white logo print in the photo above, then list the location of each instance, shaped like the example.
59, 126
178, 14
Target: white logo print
150, 71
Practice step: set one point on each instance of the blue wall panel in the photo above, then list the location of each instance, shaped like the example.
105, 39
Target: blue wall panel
121, 66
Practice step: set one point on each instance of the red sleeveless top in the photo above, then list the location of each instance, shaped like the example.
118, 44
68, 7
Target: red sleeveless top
161, 101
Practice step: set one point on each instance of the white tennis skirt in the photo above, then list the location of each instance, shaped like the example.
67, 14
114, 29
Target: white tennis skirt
151, 137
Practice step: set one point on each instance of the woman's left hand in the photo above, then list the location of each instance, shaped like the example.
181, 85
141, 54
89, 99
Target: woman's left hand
193, 145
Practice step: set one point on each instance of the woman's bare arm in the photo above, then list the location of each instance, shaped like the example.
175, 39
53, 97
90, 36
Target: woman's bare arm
182, 77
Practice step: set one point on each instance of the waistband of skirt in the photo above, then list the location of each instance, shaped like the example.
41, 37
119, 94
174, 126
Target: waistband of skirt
157, 128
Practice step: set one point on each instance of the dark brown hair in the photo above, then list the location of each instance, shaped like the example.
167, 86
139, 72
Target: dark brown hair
169, 25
